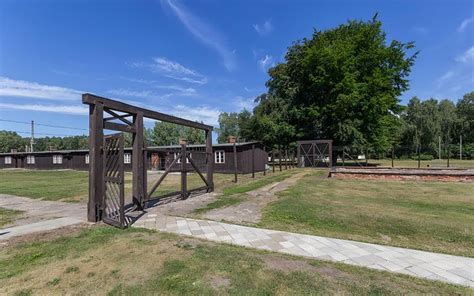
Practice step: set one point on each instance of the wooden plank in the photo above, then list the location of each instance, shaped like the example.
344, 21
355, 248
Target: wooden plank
253, 161
137, 161
235, 162
117, 116
119, 127
122, 107
210, 161
184, 193
96, 177
197, 170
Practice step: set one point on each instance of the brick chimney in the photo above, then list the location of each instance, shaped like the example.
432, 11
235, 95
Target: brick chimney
231, 139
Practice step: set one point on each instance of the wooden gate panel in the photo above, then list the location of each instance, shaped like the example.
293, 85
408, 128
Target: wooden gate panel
114, 184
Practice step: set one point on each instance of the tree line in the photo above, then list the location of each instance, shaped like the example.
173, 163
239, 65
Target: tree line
344, 84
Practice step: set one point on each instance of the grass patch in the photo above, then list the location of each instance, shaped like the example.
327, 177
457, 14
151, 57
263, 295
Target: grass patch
431, 216
110, 261
235, 194
8, 216
50, 185
435, 163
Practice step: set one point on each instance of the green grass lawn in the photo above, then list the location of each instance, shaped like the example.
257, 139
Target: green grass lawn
431, 216
69, 185
109, 261
49, 185
8, 216
435, 163
236, 194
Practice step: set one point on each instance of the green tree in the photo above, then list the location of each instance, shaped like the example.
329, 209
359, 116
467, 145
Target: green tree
165, 133
11, 140
341, 84
465, 112
228, 126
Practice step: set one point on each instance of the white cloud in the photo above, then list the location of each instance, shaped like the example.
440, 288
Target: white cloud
244, 103
467, 56
182, 90
205, 114
266, 62
264, 29
464, 24
144, 94
204, 32
172, 70
73, 109
20, 88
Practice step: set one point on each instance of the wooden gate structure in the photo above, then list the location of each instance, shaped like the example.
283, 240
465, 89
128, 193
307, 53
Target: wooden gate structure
314, 153
114, 181
105, 178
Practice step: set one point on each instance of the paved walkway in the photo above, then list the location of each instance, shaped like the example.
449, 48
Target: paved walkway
40, 215
446, 268
46, 225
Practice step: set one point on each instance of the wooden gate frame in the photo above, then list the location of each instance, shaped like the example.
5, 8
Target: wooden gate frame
314, 145
131, 118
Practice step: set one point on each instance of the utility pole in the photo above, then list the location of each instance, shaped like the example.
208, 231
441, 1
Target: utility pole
32, 139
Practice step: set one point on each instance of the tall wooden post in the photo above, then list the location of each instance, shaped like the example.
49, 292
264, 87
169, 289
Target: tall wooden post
286, 159
265, 162
235, 162
184, 191
273, 160
419, 157
253, 161
343, 156
96, 172
210, 161
298, 155
330, 154
279, 158
137, 161
393, 155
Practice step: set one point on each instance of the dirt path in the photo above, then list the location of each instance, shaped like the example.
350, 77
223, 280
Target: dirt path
250, 211
36, 210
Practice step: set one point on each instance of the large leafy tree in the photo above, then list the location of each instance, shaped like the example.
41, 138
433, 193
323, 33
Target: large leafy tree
165, 133
228, 126
341, 84
465, 112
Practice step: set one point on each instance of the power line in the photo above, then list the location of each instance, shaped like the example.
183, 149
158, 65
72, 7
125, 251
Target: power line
43, 124
45, 134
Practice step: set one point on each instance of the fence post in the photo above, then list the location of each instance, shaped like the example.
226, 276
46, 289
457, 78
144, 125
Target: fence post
235, 162
253, 161
419, 157
447, 152
393, 154
265, 162
96, 177
279, 158
298, 156
366, 157
286, 159
184, 193
210, 160
273, 160
137, 161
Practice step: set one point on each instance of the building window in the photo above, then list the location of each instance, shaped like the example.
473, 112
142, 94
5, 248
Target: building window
57, 159
179, 159
127, 158
87, 158
8, 160
30, 159
219, 157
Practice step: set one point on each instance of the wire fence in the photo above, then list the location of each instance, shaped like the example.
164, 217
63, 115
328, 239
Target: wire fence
441, 156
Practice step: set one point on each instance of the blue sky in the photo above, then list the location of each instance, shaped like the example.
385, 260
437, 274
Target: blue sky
195, 59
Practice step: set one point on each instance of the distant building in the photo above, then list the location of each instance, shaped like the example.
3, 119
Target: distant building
158, 158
